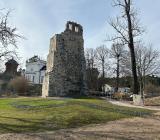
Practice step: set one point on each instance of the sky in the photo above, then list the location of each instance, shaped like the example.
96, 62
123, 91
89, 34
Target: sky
39, 20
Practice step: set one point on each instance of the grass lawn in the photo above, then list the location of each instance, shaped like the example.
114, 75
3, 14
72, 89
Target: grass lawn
37, 114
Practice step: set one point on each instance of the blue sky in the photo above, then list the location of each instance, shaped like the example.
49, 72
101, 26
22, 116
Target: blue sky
39, 20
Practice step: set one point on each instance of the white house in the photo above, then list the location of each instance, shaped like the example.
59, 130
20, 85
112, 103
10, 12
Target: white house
109, 89
35, 70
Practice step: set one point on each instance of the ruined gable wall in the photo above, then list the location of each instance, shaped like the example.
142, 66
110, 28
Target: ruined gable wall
66, 63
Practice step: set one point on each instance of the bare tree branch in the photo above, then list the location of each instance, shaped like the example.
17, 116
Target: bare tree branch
8, 37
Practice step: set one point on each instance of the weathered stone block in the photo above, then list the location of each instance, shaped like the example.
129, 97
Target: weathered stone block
137, 100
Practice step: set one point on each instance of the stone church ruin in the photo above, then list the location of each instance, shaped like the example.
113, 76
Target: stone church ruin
66, 67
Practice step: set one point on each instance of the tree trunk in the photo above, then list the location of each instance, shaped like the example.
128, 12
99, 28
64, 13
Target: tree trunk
144, 85
141, 84
103, 76
134, 71
131, 47
117, 73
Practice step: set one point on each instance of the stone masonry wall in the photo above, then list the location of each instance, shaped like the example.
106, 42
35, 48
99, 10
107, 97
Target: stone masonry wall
66, 66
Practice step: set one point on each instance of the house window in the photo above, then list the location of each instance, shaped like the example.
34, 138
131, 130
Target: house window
33, 79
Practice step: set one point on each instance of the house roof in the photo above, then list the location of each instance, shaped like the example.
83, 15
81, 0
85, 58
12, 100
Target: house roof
11, 61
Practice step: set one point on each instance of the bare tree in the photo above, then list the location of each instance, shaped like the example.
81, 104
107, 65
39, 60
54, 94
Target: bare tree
91, 71
90, 55
8, 37
147, 64
127, 29
117, 51
126, 64
101, 57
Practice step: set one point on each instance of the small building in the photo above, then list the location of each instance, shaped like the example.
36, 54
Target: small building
9, 73
35, 70
124, 90
11, 67
107, 88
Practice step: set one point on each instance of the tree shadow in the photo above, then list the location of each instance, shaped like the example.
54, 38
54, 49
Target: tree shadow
20, 125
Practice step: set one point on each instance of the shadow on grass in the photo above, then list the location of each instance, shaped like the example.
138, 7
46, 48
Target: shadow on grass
24, 125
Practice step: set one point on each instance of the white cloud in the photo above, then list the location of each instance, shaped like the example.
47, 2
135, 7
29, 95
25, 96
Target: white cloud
39, 20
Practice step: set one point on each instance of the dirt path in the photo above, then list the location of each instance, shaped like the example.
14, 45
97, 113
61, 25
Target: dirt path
156, 108
125, 129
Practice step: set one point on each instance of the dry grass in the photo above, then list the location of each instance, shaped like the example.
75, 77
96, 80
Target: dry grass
125, 129
153, 101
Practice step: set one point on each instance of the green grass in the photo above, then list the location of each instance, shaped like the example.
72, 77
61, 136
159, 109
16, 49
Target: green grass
36, 114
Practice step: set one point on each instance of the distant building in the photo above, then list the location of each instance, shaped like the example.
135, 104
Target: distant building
35, 70
109, 89
124, 90
9, 73
11, 67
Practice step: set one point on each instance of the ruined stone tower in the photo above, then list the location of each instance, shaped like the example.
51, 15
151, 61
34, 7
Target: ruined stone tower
65, 74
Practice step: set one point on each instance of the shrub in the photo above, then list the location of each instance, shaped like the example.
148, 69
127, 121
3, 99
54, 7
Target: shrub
18, 85
34, 90
127, 97
118, 96
4, 86
152, 90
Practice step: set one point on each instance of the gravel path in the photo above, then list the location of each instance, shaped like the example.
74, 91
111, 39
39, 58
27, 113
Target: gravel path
156, 108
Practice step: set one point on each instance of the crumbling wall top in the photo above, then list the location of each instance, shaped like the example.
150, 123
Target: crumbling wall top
74, 27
